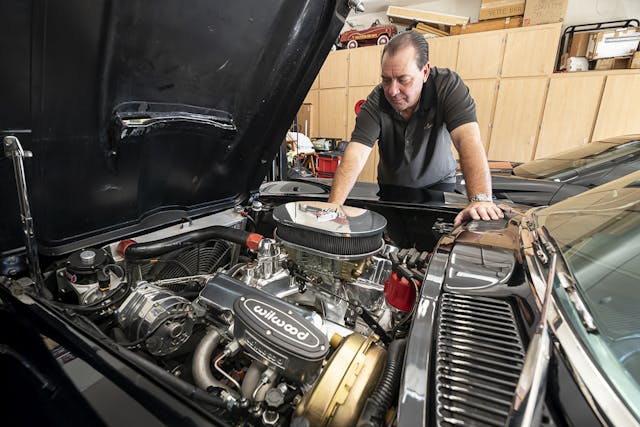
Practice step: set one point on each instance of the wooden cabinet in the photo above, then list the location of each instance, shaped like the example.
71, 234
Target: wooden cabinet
517, 118
484, 94
364, 66
332, 117
334, 70
569, 113
312, 99
443, 52
531, 51
480, 56
619, 113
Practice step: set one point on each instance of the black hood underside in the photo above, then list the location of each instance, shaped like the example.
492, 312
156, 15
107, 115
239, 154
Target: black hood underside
134, 109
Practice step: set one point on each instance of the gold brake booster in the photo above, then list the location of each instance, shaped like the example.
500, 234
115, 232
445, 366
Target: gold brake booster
346, 382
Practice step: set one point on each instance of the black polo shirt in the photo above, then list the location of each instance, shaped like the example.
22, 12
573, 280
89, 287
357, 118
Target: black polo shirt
417, 153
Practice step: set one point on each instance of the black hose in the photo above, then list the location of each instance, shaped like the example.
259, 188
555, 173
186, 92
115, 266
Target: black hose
147, 250
386, 391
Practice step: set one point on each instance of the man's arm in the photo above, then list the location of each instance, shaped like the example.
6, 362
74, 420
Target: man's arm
475, 168
355, 156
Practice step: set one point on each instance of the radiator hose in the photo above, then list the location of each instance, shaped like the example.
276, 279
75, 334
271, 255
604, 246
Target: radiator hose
386, 392
140, 251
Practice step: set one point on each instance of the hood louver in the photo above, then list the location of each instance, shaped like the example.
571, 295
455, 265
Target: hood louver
479, 359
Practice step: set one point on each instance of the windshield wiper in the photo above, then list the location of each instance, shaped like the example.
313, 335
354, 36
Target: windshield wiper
542, 241
526, 409
569, 285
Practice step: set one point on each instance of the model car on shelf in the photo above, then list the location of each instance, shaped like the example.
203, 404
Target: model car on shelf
376, 34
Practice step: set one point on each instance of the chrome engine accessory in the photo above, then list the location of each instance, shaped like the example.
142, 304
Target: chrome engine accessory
89, 274
330, 230
345, 384
267, 268
272, 333
156, 317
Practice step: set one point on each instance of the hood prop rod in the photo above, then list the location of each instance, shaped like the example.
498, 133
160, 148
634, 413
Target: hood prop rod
13, 150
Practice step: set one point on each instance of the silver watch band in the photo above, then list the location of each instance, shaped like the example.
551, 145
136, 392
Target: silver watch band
481, 197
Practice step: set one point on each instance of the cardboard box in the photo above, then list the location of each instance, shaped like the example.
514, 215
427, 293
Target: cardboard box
539, 12
612, 63
613, 43
490, 25
408, 15
635, 60
492, 9
579, 43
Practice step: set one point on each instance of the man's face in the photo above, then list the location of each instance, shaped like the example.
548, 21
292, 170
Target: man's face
402, 80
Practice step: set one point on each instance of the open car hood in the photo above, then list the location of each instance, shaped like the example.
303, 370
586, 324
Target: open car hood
138, 115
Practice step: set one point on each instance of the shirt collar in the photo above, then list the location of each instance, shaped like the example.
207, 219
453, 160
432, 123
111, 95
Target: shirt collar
428, 95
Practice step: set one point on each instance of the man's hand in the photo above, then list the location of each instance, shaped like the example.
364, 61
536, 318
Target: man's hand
486, 211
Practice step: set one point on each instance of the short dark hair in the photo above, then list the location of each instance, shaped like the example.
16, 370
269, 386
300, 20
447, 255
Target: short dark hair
409, 38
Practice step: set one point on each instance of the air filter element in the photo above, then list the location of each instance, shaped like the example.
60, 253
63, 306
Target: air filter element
330, 229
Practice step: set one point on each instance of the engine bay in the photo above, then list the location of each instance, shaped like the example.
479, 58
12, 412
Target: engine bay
304, 327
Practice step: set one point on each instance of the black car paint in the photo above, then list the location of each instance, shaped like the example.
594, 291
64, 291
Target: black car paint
74, 64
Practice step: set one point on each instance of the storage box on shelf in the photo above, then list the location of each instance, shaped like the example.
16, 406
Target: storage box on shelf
492, 9
538, 12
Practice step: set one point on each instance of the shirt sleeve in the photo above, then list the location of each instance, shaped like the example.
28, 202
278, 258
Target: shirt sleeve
459, 107
367, 129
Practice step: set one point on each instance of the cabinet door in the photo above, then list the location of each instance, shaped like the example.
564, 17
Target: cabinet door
531, 52
484, 94
334, 70
332, 120
569, 113
443, 52
480, 56
364, 66
355, 94
312, 100
517, 117
619, 113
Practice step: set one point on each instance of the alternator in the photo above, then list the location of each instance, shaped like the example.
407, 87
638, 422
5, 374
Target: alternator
156, 317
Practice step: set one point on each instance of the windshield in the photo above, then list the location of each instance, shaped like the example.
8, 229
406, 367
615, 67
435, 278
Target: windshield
565, 165
598, 234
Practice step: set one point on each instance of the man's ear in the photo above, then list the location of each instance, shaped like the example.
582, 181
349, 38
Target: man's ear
425, 71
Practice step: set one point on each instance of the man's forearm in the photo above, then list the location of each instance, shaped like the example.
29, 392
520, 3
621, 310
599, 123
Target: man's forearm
475, 169
473, 160
347, 173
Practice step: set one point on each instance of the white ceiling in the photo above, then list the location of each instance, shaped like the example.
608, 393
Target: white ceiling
371, 6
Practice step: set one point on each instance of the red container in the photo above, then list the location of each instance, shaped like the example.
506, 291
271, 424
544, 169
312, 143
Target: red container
327, 164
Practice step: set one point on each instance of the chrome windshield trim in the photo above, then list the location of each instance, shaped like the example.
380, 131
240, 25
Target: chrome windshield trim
601, 397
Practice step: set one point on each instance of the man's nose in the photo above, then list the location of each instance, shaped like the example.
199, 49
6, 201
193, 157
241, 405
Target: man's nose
393, 88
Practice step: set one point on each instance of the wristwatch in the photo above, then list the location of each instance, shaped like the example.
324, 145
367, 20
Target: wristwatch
481, 197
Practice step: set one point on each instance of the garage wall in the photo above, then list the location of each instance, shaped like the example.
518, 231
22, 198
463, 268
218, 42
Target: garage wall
525, 111
578, 11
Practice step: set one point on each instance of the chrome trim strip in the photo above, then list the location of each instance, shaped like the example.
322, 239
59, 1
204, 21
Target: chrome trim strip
602, 399
414, 385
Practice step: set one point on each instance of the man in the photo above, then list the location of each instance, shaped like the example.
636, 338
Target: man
415, 114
